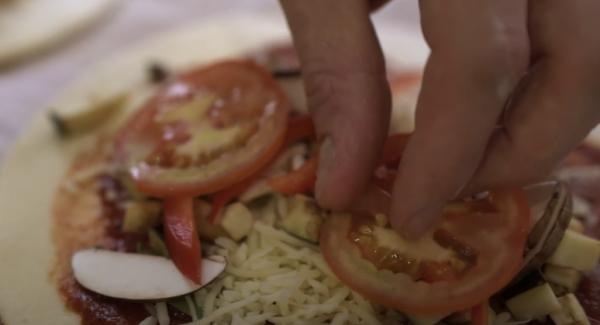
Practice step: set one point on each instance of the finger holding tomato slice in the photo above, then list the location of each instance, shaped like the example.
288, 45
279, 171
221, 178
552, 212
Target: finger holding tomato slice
205, 130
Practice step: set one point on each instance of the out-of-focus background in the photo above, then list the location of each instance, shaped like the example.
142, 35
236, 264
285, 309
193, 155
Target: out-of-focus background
27, 86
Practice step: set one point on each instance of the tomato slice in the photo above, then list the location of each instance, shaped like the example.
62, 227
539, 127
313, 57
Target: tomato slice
181, 237
205, 130
466, 259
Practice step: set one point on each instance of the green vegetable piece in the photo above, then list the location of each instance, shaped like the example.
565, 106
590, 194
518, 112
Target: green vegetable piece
156, 244
141, 216
181, 304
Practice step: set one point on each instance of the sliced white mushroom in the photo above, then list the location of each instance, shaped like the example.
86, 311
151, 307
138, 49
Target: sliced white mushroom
137, 276
551, 210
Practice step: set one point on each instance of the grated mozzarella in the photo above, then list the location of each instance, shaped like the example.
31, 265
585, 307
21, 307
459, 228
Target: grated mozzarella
281, 279
191, 307
162, 313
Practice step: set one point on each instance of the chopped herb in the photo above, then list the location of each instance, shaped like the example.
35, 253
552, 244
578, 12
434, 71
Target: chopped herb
181, 304
156, 244
157, 72
59, 125
286, 73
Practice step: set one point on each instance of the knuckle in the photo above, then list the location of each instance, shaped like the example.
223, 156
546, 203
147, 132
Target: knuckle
333, 88
321, 86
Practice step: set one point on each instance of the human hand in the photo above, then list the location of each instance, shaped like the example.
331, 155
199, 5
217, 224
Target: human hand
532, 68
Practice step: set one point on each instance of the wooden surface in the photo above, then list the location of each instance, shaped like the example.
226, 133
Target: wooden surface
27, 87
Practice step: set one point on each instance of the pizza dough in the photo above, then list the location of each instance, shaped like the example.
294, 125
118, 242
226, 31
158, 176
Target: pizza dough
30, 26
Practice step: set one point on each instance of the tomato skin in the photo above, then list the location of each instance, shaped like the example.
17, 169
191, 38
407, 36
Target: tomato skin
499, 259
259, 102
181, 236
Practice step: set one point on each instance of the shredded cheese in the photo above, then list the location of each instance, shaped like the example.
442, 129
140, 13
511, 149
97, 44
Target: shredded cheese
162, 313
278, 278
191, 307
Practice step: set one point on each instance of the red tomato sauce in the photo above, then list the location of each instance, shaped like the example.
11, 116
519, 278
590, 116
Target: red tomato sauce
96, 309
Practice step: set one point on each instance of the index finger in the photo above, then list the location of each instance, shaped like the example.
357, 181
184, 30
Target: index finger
344, 75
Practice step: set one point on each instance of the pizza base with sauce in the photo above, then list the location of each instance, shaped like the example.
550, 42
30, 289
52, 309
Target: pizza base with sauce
53, 210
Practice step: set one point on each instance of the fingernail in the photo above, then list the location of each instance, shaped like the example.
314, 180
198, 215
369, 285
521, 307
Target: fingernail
421, 221
326, 164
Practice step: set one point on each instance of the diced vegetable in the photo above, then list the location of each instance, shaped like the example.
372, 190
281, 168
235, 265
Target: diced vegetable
181, 304
563, 276
571, 312
96, 270
303, 218
577, 251
257, 190
140, 216
237, 221
223, 197
129, 185
535, 302
576, 225
157, 244
206, 229
83, 117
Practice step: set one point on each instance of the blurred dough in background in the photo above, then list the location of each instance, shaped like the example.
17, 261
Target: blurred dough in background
28, 27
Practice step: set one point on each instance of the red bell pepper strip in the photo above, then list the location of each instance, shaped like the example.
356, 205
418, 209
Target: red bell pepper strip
299, 127
480, 314
181, 236
220, 199
301, 180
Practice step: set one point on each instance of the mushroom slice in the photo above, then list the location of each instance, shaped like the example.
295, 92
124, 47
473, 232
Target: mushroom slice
137, 276
551, 210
